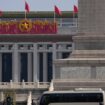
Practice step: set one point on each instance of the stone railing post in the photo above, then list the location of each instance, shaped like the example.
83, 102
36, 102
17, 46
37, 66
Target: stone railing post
23, 83
11, 84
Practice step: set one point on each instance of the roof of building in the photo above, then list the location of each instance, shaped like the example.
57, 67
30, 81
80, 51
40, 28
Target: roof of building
39, 14
35, 38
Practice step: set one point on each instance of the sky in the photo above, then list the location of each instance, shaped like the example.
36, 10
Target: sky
37, 5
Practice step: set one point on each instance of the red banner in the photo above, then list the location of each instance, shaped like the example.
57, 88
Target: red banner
28, 27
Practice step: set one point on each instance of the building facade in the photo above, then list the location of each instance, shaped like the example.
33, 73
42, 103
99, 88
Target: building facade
30, 61
26, 60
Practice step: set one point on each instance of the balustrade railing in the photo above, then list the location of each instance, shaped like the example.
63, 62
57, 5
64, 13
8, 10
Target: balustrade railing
24, 85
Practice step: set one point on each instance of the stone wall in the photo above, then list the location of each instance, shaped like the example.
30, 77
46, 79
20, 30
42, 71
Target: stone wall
91, 13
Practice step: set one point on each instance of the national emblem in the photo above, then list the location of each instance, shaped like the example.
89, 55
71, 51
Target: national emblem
25, 25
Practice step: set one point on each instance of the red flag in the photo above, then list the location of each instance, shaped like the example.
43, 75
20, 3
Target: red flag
57, 10
75, 9
27, 8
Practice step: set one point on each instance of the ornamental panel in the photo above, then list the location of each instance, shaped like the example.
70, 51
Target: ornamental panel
28, 27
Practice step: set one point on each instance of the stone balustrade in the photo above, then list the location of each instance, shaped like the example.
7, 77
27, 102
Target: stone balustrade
24, 85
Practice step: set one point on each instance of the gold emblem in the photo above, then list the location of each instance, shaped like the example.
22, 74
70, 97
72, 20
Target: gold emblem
25, 25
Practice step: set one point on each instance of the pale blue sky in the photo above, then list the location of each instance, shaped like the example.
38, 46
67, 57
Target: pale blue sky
37, 5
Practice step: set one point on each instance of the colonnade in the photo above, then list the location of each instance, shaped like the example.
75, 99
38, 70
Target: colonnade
33, 50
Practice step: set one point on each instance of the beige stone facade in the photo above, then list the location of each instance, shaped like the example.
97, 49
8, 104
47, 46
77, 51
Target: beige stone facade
87, 61
91, 17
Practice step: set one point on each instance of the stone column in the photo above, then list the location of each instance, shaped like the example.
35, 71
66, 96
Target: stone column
54, 58
45, 72
35, 64
15, 66
30, 67
91, 30
19, 66
89, 52
91, 17
0, 67
59, 55
86, 64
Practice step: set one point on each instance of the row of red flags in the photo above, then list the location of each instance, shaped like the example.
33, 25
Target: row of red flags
56, 9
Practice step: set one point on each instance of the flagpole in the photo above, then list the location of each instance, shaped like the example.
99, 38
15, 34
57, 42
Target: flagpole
75, 12
73, 17
25, 14
54, 17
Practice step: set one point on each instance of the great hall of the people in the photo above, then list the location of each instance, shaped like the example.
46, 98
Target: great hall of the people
28, 48
41, 52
